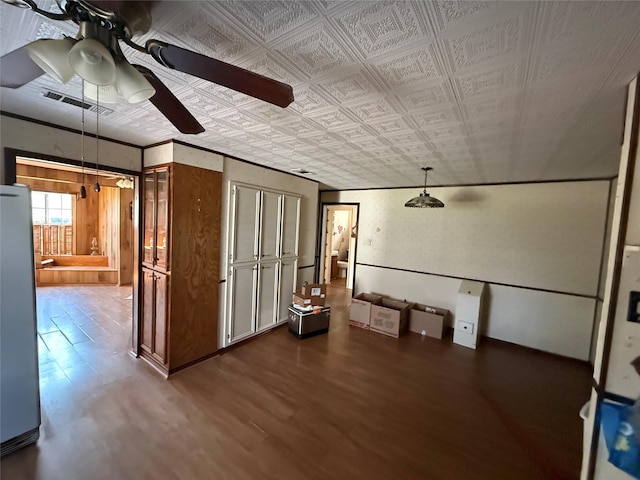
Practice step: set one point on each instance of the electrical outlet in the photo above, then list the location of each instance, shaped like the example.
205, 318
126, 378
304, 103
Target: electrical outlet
466, 327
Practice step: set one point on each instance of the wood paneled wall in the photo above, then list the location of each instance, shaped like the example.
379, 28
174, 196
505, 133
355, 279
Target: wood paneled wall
125, 269
109, 224
105, 215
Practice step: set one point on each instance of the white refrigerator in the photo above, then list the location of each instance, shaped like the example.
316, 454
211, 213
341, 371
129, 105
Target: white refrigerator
19, 389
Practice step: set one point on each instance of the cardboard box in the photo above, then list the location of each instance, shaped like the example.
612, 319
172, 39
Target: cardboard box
360, 311
306, 300
314, 290
430, 320
390, 317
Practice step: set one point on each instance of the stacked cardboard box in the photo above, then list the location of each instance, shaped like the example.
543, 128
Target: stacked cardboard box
312, 294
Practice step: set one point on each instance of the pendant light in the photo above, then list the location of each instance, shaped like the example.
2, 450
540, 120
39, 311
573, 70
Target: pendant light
424, 200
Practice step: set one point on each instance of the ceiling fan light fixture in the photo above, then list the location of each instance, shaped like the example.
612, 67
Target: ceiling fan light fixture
108, 93
93, 62
133, 86
125, 183
52, 56
424, 200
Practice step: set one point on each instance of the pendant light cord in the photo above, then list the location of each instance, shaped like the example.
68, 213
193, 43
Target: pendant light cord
82, 135
97, 129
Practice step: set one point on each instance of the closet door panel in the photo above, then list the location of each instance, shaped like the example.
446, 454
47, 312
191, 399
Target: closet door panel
242, 301
287, 277
290, 225
269, 225
267, 296
246, 203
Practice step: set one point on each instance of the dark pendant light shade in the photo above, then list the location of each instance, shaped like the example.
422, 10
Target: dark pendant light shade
424, 200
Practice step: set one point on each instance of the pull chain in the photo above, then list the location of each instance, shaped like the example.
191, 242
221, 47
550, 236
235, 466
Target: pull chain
97, 185
83, 189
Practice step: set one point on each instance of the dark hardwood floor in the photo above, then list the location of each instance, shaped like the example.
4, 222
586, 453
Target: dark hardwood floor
345, 405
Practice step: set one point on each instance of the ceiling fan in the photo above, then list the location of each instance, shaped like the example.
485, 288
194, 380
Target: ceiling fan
96, 56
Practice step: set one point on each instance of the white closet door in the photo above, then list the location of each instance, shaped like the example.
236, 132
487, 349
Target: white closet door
267, 295
288, 273
290, 225
246, 205
270, 226
242, 301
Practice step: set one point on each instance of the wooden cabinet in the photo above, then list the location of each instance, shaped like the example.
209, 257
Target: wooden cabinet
263, 259
153, 331
180, 274
334, 266
156, 218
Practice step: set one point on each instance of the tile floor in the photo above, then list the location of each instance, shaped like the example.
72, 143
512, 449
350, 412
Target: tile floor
80, 330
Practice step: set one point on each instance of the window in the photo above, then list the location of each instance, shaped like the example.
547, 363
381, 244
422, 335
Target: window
52, 208
52, 216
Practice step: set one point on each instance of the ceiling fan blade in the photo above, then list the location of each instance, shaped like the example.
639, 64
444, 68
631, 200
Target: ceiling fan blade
169, 105
222, 73
17, 68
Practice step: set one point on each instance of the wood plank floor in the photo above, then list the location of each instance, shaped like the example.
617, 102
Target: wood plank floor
350, 404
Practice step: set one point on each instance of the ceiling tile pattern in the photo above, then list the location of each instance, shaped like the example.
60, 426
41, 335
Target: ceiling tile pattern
481, 91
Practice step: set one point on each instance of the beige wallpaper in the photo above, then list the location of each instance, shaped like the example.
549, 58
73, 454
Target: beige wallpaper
546, 236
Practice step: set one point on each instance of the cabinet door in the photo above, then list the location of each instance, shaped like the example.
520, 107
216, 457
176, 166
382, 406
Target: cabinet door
287, 277
162, 219
146, 326
149, 228
242, 301
160, 320
269, 225
244, 245
290, 225
267, 295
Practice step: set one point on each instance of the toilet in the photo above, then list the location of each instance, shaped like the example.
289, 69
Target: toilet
341, 264
342, 268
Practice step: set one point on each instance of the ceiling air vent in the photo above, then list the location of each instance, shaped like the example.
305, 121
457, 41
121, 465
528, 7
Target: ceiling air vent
76, 102
301, 171
53, 95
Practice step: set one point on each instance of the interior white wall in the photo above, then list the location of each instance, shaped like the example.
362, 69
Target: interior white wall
237, 171
37, 138
545, 236
552, 322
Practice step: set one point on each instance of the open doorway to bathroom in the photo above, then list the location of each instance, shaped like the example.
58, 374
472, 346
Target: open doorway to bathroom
338, 244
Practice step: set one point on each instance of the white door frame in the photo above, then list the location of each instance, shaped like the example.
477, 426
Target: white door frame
322, 254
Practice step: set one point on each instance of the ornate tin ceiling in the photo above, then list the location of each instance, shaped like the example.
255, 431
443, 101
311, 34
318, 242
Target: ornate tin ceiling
483, 92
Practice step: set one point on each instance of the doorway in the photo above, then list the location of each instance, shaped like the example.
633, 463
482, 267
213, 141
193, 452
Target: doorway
338, 244
85, 257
